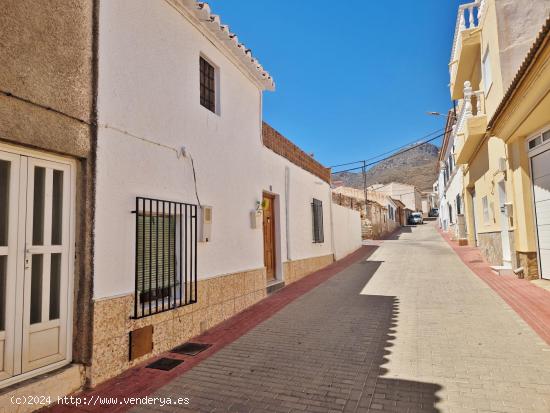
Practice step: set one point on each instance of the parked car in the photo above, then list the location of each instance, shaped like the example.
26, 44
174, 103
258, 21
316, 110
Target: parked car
416, 218
434, 212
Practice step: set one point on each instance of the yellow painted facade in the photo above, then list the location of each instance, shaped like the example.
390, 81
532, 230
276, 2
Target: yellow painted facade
498, 197
525, 114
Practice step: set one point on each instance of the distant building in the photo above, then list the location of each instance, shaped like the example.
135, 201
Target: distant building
408, 194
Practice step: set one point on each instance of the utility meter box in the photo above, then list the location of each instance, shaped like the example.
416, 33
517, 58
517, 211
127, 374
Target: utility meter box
205, 224
508, 209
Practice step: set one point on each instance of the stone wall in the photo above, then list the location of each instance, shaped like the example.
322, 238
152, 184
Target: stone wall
529, 262
490, 244
218, 299
297, 269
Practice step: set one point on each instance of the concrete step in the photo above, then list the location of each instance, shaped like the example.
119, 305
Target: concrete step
502, 269
274, 286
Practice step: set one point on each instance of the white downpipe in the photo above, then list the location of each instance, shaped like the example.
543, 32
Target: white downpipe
332, 248
287, 212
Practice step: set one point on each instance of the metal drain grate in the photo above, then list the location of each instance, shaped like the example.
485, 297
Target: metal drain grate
164, 364
190, 349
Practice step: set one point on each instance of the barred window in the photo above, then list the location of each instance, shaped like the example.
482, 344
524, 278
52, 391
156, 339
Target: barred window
317, 212
166, 256
208, 85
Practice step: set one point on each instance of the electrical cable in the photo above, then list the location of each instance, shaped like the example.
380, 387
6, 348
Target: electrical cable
392, 150
394, 155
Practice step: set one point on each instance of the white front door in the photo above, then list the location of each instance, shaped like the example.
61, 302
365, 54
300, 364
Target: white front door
505, 234
540, 169
474, 214
36, 202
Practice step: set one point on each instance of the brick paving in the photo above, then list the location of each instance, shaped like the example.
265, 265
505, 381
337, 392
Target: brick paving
409, 328
530, 301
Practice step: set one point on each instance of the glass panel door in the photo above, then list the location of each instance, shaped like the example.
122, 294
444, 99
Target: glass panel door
46, 264
9, 188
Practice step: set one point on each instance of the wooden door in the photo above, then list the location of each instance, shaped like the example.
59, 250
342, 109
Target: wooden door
269, 236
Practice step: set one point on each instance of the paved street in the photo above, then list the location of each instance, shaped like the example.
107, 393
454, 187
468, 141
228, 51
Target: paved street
410, 329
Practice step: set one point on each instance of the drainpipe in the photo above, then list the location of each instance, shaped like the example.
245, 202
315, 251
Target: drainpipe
331, 223
287, 212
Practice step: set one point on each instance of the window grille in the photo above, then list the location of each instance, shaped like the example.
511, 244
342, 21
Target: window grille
317, 212
208, 85
166, 256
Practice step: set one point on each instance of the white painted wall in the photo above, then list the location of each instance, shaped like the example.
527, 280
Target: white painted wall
347, 230
447, 193
148, 102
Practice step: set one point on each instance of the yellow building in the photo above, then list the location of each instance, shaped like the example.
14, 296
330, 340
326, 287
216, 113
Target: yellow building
491, 40
522, 123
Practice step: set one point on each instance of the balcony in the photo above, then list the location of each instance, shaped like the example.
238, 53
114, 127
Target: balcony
465, 61
471, 124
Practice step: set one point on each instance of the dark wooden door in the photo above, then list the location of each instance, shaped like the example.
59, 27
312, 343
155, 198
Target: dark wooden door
269, 236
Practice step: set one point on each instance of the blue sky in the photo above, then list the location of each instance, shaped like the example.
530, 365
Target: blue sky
354, 78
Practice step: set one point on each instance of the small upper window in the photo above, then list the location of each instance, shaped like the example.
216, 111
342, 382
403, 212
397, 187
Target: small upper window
317, 212
486, 69
208, 85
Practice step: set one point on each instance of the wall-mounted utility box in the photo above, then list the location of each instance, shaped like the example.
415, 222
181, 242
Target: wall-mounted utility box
502, 164
508, 209
256, 219
205, 224
141, 342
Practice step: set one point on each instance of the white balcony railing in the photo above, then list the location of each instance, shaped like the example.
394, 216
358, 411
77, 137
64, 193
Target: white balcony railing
472, 105
468, 17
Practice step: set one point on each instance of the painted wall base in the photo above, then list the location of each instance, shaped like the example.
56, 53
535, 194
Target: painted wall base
295, 270
219, 298
528, 260
490, 244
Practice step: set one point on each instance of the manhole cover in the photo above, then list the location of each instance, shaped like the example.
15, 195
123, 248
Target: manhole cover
164, 364
191, 349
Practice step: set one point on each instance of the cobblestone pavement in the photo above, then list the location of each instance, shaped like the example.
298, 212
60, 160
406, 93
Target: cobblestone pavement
411, 329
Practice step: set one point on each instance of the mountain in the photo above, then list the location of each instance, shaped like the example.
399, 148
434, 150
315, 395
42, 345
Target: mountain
414, 166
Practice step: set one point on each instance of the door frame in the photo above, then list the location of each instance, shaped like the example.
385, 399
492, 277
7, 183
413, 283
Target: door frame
47, 156
473, 197
539, 150
504, 222
531, 153
272, 198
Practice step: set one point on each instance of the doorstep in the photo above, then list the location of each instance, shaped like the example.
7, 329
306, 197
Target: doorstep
502, 270
274, 285
45, 387
542, 283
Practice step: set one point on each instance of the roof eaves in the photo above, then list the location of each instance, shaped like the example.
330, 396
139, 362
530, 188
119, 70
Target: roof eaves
537, 46
211, 22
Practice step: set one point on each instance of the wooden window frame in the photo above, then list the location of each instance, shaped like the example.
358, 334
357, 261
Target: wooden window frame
317, 220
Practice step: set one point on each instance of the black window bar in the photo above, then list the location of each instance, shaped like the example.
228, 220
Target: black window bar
166, 256
317, 212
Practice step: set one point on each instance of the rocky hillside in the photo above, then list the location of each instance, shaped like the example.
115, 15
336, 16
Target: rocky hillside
415, 167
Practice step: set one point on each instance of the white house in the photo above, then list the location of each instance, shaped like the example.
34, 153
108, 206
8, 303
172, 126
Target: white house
451, 185
200, 206
153, 202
